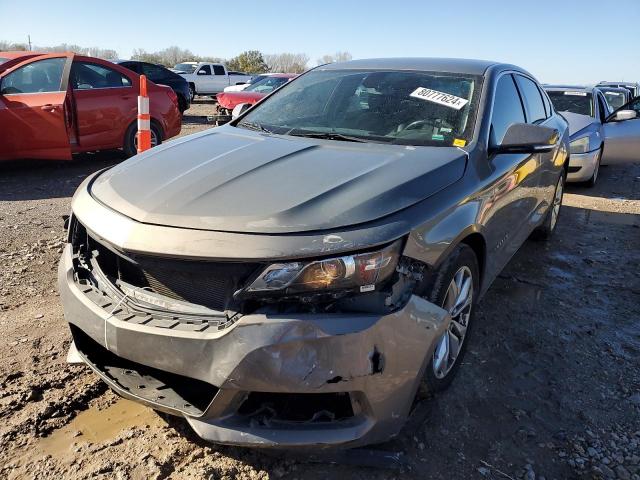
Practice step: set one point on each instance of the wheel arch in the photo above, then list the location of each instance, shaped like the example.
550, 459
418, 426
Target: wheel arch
473, 238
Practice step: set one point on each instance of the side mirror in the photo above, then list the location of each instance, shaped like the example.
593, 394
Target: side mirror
528, 138
239, 110
622, 115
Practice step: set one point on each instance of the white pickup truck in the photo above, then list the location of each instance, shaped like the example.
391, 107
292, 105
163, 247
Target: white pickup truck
212, 78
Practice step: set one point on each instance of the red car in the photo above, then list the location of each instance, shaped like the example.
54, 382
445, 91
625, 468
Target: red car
53, 105
253, 93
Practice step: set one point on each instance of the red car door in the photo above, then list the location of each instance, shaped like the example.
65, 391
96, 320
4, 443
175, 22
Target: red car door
35, 121
106, 101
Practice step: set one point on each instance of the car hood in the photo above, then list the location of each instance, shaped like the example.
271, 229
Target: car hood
236, 180
578, 122
231, 99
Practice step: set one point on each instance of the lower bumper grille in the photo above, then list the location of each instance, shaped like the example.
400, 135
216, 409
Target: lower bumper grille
176, 393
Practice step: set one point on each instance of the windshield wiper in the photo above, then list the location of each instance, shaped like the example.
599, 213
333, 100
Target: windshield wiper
329, 136
254, 126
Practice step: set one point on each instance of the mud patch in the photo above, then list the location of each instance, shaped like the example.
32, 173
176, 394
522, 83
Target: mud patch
98, 426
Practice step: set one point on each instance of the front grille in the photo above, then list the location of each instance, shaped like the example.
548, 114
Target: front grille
210, 284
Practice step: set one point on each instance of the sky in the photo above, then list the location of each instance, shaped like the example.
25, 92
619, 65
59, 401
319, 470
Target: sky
558, 41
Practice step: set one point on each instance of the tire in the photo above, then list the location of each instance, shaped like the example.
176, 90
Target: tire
192, 92
130, 144
592, 181
438, 289
544, 231
182, 103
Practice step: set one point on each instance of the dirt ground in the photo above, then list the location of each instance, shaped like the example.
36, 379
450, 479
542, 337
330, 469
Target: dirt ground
550, 387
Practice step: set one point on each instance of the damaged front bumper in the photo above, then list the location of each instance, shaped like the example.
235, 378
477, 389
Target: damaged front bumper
262, 380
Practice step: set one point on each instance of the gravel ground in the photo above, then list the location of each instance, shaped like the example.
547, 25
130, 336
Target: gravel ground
550, 387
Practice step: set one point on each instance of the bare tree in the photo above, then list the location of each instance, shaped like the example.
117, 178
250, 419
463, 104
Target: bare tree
336, 57
287, 62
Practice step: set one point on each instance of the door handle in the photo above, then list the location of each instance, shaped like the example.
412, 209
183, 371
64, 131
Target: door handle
49, 107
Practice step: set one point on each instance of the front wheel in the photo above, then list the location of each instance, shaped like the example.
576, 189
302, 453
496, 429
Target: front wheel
192, 92
454, 286
130, 145
592, 181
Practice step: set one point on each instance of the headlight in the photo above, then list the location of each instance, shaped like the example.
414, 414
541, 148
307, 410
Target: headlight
580, 145
361, 272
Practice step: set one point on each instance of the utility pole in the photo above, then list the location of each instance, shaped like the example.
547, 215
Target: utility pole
29, 37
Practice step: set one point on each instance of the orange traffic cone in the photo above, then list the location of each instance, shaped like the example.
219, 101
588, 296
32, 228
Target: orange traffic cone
144, 119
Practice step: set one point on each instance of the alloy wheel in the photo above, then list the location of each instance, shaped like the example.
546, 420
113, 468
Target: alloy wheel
458, 302
557, 202
154, 139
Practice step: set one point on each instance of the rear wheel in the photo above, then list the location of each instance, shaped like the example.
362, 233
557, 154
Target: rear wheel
130, 145
455, 288
192, 91
547, 228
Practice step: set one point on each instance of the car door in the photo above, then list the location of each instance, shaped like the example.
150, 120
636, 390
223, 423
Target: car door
221, 79
35, 111
205, 79
106, 103
514, 181
622, 136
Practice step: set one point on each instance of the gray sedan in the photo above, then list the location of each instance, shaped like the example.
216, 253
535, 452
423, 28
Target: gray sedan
298, 277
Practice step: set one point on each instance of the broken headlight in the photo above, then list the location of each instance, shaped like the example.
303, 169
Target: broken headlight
360, 272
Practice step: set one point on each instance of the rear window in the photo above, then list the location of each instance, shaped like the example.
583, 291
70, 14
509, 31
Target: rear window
572, 101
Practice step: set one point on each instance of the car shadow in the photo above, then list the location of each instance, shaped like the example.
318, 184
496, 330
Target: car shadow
41, 179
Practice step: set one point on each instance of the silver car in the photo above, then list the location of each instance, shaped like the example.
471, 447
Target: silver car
632, 87
598, 134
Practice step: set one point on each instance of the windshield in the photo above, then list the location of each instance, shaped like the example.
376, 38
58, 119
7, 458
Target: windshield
2, 60
186, 67
614, 99
403, 107
266, 85
572, 101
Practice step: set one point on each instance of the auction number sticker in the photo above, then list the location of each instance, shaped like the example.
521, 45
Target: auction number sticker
440, 98
576, 94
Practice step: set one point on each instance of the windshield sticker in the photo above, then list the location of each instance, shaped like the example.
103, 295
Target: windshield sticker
437, 136
459, 142
577, 94
440, 98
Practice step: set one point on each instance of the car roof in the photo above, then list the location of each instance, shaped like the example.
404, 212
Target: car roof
574, 88
284, 75
627, 84
451, 65
20, 53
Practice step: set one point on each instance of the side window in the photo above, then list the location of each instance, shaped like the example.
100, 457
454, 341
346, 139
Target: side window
36, 77
634, 105
507, 109
547, 103
532, 100
89, 76
133, 66
218, 70
204, 70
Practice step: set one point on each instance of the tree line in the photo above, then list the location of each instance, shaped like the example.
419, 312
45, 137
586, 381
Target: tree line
251, 61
